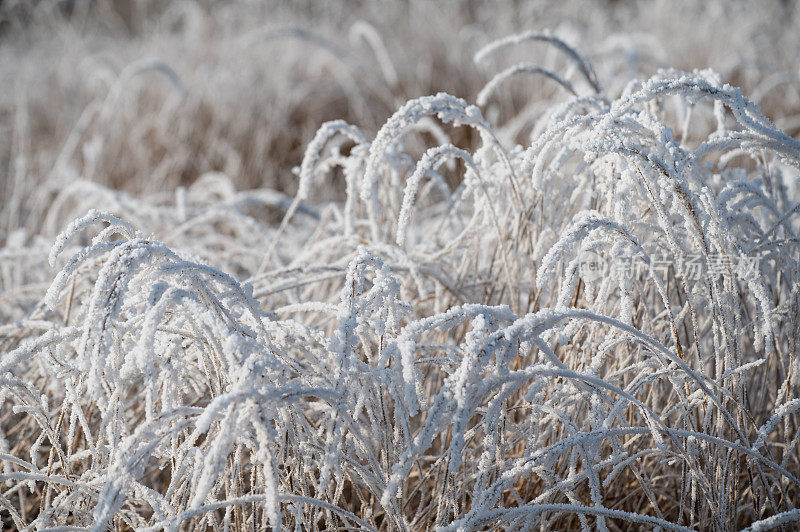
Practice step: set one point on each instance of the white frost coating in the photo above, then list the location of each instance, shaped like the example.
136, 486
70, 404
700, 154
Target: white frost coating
447, 108
584, 66
321, 362
78, 225
520, 68
430, 161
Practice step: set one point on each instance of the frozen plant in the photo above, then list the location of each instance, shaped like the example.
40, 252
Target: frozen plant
412, 341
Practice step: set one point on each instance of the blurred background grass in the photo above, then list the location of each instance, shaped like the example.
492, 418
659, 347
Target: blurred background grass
144, 96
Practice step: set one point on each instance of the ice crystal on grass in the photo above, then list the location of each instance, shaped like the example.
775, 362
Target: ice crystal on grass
425, 348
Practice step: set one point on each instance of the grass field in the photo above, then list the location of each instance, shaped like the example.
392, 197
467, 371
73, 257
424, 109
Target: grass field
411, 266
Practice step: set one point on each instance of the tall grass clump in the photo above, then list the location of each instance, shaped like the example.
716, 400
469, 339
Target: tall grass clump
580, 315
